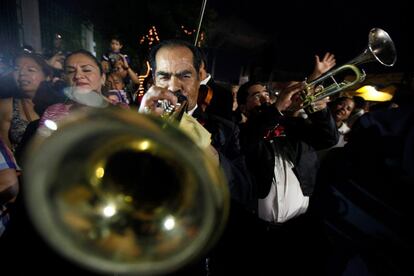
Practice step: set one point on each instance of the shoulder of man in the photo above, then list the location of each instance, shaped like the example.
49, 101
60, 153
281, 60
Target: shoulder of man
222, 122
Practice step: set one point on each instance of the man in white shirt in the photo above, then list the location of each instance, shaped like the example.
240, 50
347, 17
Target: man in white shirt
281, 156
285, 192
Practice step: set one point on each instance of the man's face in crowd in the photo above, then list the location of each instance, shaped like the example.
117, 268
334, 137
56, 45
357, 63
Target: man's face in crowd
256, 96
175, 71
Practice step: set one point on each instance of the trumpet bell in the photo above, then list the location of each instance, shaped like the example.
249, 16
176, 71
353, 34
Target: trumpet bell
124, 193
382, 47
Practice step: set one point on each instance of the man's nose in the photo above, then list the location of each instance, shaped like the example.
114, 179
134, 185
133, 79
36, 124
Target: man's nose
264, 98
174, 85
22, 72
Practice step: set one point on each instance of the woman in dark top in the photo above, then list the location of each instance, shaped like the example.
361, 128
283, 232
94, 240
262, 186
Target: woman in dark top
16, 112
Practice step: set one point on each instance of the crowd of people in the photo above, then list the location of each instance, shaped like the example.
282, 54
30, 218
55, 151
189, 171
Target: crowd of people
311, 194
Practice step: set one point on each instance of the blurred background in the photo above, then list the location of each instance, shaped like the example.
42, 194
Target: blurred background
261, 39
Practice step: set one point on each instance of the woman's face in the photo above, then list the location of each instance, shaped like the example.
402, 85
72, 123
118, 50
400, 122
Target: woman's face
28, 75
115, 82
81, 71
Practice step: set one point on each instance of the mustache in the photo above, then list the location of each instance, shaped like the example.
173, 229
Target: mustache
180, 97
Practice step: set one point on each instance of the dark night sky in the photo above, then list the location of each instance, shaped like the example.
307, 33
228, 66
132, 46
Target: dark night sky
298, 29
274, 34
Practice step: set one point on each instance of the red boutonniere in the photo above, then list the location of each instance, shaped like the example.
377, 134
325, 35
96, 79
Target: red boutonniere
277, 131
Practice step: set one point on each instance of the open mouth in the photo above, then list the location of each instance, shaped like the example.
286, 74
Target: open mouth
24, 82
340, 113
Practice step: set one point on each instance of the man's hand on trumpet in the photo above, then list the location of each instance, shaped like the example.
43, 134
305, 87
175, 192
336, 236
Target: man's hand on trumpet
290, 99
150, 103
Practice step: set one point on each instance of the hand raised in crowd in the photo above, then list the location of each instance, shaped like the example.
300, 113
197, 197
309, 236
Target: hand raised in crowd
56, 61
122, 67
151, 99
322, 66
125, 61
105, 66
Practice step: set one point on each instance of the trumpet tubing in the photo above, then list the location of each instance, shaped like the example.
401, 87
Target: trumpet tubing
380, 48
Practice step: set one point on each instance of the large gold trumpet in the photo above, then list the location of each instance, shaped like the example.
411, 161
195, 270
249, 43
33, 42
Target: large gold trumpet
124, 193
380, 48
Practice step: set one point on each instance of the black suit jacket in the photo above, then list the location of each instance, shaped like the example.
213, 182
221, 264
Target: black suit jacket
221, 103
226, 140
300, 138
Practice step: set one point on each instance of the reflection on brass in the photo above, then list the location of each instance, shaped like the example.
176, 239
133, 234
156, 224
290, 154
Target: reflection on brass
120, 192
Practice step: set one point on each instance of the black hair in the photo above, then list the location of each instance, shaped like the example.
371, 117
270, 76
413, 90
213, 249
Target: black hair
117, 38
203, 57
171, 44
339, 100
86, 53
359, 102
26, 48
242, 93
39, 59
48, 94
343, 98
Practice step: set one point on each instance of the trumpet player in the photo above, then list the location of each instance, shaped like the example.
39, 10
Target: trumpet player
281, 156
176, 72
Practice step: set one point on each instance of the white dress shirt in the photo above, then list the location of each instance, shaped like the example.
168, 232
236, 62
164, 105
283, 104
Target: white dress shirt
285, 199
205, 81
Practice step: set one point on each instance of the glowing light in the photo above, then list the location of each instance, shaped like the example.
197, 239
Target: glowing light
109, 210
169, 223
51, 125
370, 93
201, 39
128, 199
151, 38
186, 31
144, 145
100, 172
141, 79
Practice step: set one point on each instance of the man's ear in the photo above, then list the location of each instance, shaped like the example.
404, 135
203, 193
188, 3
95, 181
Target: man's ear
242, 108
200, 75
